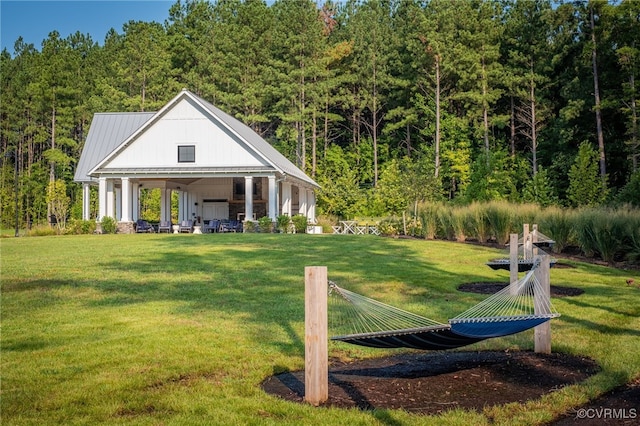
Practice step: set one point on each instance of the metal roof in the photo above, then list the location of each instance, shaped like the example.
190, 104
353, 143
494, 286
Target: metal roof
111, 132
106, 133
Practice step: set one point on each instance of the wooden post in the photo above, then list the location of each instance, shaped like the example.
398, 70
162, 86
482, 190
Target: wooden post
316, 356
542, 333
534, 240
513, 263
526, 239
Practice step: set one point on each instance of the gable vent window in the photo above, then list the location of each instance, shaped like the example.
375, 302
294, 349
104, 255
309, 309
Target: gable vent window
186, 154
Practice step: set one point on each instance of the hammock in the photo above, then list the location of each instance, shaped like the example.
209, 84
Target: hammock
527, 254
515, 308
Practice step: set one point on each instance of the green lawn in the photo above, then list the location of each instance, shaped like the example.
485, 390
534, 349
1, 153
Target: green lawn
182, 329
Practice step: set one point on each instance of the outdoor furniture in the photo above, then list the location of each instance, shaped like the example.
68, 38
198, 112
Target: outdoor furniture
165, 226
337, 229
144, 226
348, 226
231, 226
186, 226
212, 226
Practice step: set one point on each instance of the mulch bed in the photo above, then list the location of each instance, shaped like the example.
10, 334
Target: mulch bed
494, 287
433, 382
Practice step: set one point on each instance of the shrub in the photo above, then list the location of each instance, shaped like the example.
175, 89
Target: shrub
300, 223
265, 224
108, 225
282, 223
249, 227
77, 226
41, 231
389, 226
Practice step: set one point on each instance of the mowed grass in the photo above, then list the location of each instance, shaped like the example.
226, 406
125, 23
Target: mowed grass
182, 329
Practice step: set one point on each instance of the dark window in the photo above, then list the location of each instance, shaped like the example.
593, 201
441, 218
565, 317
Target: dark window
187, 154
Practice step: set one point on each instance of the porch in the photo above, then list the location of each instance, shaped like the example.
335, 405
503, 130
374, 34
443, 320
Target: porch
202, 200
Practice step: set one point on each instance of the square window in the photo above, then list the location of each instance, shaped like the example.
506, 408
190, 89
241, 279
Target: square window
187, 154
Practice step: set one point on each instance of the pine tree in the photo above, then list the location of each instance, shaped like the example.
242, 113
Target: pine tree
586, 188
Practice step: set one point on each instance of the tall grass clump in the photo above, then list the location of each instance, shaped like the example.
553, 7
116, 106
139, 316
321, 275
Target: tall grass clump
500, 218
479, 222
459, 220
428, 216
633, 236
602, 231
446, 230
557, 224
524, 213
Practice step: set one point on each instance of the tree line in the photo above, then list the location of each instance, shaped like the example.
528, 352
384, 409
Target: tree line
386, 103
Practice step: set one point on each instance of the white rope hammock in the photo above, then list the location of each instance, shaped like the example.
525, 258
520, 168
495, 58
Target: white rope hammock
364, 315
517, 307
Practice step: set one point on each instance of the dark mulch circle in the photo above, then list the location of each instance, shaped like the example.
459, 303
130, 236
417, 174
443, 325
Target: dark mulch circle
434, 382
494, 287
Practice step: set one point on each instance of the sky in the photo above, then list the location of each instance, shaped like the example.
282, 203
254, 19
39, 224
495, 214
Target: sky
34, 20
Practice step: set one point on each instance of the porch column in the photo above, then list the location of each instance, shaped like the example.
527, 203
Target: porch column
273, 198
181, 206
286, 198
102, 198
302, 201
163, 203
135, 201
126, 200
118, 202
248, 198
86, 201
110, 199
311, 209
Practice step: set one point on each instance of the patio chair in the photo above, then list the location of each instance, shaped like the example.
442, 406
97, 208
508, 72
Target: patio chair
186, 226
212, 226
144, 226
165, 226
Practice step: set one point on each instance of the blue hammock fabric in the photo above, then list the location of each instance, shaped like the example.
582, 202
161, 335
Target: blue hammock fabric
486, 329
428, 338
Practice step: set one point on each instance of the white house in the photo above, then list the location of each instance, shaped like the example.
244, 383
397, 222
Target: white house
212, 160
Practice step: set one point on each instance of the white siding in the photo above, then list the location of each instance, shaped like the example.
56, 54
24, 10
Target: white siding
185, 124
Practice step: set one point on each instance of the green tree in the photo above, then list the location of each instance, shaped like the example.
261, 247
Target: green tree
539, 190
340, 192
59, 202
478, 67
492, 178
586, 188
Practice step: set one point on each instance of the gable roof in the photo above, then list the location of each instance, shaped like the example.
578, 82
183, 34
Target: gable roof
106, 133
110, 133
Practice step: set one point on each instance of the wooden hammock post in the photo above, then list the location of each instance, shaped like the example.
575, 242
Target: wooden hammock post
316, 356
534, 240
542, 332
526, 242
513, 263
